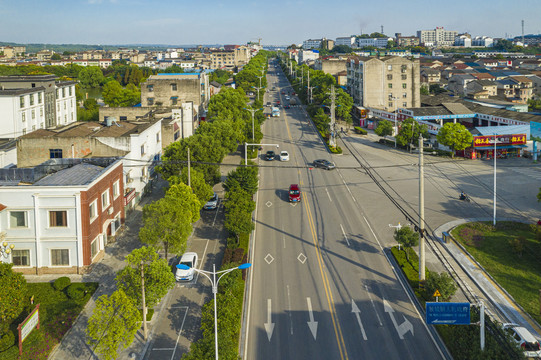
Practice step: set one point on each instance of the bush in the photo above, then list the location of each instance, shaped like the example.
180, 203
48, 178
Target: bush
76, 291
360, 130
61, 283
441, 282
7, 340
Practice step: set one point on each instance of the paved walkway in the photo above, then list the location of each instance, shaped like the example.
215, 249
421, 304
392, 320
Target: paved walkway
73, 345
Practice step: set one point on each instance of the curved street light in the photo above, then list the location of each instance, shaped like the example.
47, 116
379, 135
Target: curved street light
214, 282
5, 248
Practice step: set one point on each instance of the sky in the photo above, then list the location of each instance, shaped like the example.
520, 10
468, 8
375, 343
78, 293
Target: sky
278, 22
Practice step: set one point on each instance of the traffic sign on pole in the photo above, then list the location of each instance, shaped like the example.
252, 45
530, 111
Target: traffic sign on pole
447, 313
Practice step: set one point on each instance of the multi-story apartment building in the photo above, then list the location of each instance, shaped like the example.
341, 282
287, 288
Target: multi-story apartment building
330, 65
437, 37
60, 106
373, 42
229, 59
12, 52
174, 89
23, 111
385, 83
60, 215
347, 40
311, 44
406, 40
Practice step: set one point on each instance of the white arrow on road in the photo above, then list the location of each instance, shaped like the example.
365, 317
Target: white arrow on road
402, 328
311, 324
269, 326
355, 309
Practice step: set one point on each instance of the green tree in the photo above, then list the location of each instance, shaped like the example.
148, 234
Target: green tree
112, 93
113, 324
166, 225
12, 293
424, 90
201, 189
238, 212
185, 199
56, 57
91, 77
436, 89
441, 282
159, 278
409, 132
455, 135
385, 128
407, 238
244, 178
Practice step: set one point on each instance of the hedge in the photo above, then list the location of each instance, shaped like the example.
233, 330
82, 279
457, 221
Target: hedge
360, 130
61, 283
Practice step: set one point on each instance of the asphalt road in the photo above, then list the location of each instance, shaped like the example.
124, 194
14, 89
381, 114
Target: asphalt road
322, 287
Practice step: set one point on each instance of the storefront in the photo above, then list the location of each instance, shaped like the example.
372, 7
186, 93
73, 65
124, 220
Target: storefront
506, 146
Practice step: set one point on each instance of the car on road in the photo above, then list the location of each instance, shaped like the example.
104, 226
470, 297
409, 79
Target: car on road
189, 259
324, 164
286, 106
268, 103
294, 193
278, 102
284, 156
524, 339
287, 97
283, 92
212, 204
270, 155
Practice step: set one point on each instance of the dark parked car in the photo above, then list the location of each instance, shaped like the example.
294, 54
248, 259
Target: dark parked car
269, 156
324, 164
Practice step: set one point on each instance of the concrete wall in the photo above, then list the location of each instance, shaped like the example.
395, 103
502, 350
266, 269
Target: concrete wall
131, 113
332, 67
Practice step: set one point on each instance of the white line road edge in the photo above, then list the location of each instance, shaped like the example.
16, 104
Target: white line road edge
345, 236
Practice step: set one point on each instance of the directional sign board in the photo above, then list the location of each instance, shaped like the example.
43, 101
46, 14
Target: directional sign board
447, 313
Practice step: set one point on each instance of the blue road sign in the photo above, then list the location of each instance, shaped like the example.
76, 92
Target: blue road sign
438, 313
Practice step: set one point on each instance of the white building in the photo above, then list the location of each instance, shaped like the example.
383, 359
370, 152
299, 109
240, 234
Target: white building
308, 55
483, 41
22, 111
463, 41
60, 215
374, 42
312, 44
66, 104
347, 40
437, 37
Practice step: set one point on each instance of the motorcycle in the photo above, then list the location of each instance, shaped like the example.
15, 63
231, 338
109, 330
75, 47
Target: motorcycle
465, 197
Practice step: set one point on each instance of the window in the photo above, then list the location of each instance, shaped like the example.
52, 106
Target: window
72, 116
404, 95
94, 247
17, 219
173, 87
41, 112
58, 218
404, 77
389, 77
93, 210
404, 86
390, 104
157, 137
105, 200
23, 116
174, 101
57, 93
403, 68
24, 131
123, 118
31, 96
150, 87
116, 189
404, 104
63, 92
65, 119
70, 90
390, 85
39, 98
143, 149
33, 114
55, 153
21, 101
20, 257
60, 257
41, 125
389, 67
150, 101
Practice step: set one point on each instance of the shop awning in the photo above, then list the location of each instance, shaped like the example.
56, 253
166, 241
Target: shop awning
501, 147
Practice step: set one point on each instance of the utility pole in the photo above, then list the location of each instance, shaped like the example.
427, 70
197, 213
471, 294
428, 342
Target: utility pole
309, 89
189, 169
421, 214
302, 76
145, 330
332, 141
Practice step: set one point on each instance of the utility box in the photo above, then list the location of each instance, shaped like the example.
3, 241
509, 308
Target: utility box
446, 237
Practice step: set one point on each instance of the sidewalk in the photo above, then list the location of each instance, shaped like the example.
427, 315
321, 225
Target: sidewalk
74, 345
503, 300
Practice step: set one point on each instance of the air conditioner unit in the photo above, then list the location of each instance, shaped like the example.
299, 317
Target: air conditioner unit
110, 211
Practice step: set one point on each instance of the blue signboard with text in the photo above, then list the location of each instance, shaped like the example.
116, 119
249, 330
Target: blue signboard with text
448, 313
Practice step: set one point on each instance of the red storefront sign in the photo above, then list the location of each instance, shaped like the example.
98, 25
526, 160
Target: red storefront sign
484, 141
129, 197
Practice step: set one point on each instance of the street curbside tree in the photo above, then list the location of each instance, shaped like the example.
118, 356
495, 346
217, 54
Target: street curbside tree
113, 324
406, 237
384, 129
455, 135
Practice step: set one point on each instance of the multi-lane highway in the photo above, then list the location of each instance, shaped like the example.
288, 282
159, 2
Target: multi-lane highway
321, 286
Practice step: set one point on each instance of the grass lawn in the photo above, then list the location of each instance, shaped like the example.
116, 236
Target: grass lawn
57, 312
518, 272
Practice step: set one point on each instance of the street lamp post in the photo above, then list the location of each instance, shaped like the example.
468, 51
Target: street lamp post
214, 282
257, 88
253, 111
5, 248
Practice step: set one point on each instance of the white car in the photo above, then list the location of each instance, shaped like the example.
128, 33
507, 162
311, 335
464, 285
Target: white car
524, 340
189, 259
284, 156
212, 204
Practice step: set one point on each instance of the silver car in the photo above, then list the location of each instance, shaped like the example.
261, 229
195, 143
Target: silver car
212, 204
